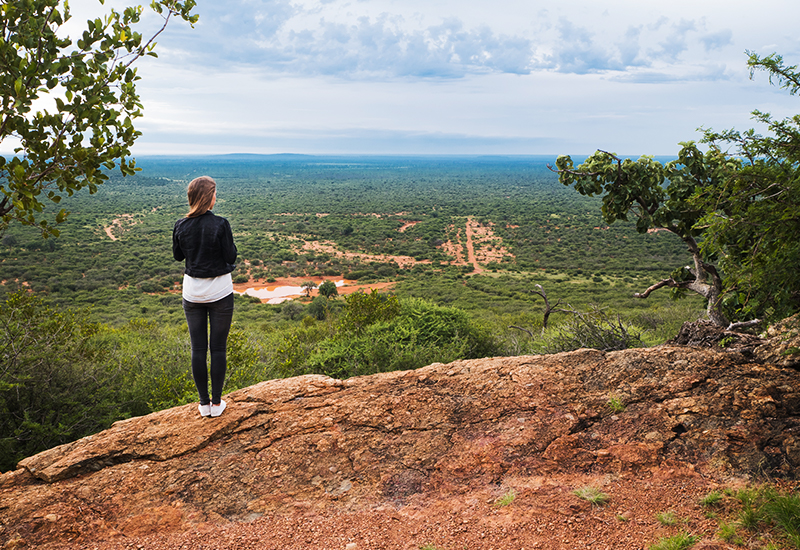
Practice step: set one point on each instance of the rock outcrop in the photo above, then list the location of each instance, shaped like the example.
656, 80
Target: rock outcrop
779, 345
316, 441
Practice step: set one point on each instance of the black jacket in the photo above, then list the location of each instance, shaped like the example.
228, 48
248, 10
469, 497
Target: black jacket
206, 243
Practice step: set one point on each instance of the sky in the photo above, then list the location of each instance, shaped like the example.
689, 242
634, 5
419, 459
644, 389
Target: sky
508, 77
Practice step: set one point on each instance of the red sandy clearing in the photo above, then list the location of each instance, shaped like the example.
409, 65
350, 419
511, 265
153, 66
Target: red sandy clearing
330, 248
348, 288
407, 225
471, 248
117, 223
455, 249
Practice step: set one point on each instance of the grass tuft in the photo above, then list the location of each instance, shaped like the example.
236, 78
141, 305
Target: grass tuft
506, 499
667, 518
681, 541
592, 494
729, 533
615, 404
711, 499
784, 511
751, 514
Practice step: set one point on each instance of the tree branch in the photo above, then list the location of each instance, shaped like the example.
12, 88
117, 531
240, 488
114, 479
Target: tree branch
4, 208
670, 282
522, 329
743, 324
547, 308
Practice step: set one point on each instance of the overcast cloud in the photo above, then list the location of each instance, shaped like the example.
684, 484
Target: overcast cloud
458, 76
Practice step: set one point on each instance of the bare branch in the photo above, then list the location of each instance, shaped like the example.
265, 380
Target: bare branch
522, 329
743, 324
670, 282
548, 309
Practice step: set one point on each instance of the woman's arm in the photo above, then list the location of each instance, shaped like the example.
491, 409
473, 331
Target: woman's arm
229, 251
177, 252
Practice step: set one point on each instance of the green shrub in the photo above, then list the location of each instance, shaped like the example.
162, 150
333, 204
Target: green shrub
52, 387
292, 348
318, 308
154, 362
362, 310
402, 335
245, 367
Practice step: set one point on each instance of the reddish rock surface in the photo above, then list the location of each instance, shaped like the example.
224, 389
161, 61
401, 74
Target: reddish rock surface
407, 459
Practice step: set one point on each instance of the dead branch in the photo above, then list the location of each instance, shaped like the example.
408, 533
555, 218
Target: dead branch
522, 329
548, 309
743, 324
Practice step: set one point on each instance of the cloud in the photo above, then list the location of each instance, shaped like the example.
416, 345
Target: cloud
629, 47
347, 40
710, 72
227, 33
580, 51
675, 43
717, 40
577, 51
643, 53
382, 46
278, 36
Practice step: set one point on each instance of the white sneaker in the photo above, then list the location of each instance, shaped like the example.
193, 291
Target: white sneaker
216, 410
205, 410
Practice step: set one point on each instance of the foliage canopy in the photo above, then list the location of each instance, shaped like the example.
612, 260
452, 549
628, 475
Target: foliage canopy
737, 212
752, 217
67, 108
47, 397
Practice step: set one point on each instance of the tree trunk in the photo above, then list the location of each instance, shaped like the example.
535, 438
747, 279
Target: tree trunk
707, 283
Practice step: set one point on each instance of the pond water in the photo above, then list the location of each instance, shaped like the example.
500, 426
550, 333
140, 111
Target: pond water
278, 294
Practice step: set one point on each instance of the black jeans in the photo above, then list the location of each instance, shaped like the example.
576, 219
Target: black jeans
219, 315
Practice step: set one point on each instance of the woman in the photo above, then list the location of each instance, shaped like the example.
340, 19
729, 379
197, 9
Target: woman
205, 241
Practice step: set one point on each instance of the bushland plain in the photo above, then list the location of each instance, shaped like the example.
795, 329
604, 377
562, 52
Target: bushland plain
463, 241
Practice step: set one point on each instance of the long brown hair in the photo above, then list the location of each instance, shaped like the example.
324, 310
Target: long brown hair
201, 195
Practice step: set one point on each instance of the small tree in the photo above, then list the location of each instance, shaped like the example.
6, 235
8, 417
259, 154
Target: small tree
659, 197
318, 308
362, 309
63, 148
744, 208
308, 286
292, 310
328, 289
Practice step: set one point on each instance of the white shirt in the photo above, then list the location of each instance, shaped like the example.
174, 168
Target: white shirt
206, 290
